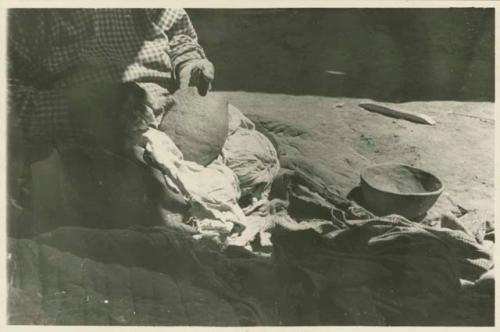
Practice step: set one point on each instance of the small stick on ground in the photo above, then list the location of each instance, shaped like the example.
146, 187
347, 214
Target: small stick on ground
414, 117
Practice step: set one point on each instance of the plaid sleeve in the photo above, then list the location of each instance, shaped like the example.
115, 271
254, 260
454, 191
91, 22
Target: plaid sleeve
183, 40
40, 115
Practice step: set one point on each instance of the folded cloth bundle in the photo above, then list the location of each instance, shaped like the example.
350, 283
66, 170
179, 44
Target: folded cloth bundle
250, 155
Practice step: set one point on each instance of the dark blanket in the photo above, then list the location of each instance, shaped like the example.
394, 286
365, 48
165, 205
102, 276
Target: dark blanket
378, 273
133, 277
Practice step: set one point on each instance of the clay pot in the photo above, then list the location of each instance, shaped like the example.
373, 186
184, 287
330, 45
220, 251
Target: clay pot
399, 189
198, 125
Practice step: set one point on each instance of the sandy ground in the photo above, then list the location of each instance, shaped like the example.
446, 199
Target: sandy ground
459, 148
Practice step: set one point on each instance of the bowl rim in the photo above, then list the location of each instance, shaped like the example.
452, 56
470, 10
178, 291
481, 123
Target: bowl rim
428, 193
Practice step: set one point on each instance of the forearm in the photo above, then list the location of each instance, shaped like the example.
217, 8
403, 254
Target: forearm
182, 38
183, 50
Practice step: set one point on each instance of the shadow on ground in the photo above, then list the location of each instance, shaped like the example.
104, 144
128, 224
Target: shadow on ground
384, 54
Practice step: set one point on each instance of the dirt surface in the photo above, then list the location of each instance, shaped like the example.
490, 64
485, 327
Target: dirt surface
458, 149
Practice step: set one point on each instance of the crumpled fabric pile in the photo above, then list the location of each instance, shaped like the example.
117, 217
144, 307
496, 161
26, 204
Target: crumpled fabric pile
383, 272
212, 191
246, 168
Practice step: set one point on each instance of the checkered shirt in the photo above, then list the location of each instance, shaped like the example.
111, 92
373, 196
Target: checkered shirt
51, 50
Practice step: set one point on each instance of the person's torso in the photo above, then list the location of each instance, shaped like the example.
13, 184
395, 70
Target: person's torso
62, 47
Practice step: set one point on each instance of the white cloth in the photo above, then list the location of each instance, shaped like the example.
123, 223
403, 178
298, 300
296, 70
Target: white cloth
212, 191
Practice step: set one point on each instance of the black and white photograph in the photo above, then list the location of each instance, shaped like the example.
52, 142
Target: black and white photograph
250, 166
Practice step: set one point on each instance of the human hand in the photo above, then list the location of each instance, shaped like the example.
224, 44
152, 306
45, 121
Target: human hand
198, 73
